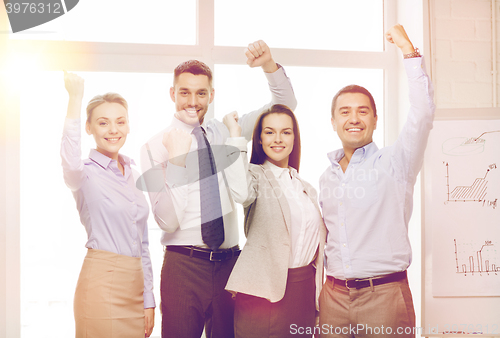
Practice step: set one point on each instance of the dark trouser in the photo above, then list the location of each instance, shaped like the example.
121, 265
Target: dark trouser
193, 296
292, 315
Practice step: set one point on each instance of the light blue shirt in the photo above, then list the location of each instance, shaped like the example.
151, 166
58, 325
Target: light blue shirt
367, 208
113, 211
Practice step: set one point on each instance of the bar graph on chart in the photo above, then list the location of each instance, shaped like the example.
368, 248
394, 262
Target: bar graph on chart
474, 259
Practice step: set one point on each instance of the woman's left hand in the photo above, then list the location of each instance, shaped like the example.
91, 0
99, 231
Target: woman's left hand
74, 85
231, 122
149, 321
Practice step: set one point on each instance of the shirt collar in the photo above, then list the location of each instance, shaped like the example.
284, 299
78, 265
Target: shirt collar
176, 123
359, 155
104, 161
278, 171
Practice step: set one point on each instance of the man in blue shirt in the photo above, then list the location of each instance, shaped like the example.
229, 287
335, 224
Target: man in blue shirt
367, 196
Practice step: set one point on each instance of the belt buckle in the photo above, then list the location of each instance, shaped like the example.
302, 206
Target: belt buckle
212, 259
347, 283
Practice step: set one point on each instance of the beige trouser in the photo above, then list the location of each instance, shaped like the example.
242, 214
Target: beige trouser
385, 311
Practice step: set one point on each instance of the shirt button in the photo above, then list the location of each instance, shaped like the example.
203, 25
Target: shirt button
344, 245
340, 203
133, 202
133, 222
347, 266
343, 184
341, 224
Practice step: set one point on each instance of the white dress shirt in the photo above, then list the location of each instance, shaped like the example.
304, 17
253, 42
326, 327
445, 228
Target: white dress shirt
175, 201
304, 230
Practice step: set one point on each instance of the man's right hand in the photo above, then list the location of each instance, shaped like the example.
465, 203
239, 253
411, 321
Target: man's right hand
397, 35
259, 55
178, 143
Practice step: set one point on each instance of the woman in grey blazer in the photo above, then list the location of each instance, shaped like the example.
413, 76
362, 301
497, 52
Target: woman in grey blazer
279, 274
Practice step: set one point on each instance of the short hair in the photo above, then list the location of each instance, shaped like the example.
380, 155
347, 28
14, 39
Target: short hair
258, 154
194, 67
354, 89
100, 99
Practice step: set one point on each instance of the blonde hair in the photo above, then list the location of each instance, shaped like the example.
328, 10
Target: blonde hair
100, 99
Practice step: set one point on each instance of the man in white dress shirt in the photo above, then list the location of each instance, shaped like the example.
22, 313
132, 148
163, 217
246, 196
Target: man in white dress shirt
193, 275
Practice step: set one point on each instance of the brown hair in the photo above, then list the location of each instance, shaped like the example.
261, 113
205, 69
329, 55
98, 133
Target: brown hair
258, 154
354, 89
100, 99
194, 67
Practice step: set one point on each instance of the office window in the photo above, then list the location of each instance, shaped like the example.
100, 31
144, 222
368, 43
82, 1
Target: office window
125, 21
354, 25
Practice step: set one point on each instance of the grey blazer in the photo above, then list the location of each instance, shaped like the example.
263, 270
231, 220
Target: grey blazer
262, 268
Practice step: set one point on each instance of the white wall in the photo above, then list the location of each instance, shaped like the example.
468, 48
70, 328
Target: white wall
462, 52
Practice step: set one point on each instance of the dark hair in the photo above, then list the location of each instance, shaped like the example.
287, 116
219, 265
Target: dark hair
354, 89
194, 67
100, 99
258, 154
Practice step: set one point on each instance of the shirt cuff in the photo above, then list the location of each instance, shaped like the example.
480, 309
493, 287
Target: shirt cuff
149, 300
276, 78
175, 175
238, 142
414, 66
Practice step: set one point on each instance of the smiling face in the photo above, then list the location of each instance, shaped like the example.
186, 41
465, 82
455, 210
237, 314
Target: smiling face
109, 126
192, 94
354, 120
277, 138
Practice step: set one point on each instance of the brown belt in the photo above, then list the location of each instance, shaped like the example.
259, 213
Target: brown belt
366, 282
209, 255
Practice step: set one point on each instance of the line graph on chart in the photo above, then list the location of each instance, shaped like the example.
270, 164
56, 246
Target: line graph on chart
473, 259
475, 192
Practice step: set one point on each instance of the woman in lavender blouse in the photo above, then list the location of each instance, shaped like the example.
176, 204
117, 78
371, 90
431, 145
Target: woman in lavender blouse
114, 294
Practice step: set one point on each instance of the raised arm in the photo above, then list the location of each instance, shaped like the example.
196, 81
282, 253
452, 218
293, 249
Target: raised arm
242, 182
408, 151
166, 178
71, 141
258, 54
237, 173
